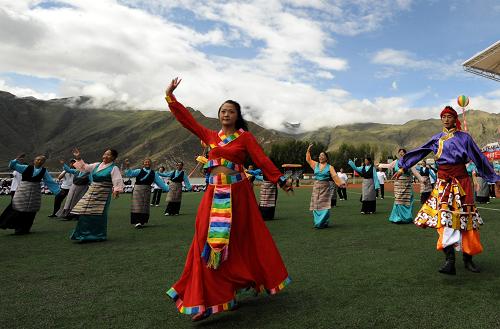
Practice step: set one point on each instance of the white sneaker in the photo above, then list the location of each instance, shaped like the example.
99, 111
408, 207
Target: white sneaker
138, 225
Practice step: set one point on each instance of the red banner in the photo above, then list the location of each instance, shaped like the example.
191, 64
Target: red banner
494, 155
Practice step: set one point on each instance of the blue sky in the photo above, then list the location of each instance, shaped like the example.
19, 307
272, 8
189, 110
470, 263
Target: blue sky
320, 63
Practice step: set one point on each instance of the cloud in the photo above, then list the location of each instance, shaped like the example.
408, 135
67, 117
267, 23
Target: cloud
18, 30
127, 51
325, 75
395, 61
24, 92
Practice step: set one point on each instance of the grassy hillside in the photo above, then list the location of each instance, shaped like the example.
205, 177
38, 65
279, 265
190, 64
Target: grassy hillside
482, 126
53, 128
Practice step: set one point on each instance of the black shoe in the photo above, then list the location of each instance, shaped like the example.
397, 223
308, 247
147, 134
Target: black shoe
449, 265
469, 264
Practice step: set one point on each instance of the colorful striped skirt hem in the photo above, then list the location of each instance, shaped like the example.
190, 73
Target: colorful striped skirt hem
228, 306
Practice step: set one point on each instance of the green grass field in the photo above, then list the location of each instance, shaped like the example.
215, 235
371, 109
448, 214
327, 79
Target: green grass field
362, 272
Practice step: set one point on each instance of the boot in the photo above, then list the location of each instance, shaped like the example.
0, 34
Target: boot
449, 265
469, 264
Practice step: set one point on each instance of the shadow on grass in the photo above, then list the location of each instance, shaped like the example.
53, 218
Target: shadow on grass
248, 307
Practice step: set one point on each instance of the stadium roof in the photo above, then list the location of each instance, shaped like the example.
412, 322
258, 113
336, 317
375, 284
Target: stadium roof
486, 63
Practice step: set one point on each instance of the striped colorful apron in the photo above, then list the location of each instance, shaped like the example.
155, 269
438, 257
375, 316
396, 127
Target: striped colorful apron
216, 249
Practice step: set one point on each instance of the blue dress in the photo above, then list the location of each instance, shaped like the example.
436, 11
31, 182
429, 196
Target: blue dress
321, 197
93, 227
403, 199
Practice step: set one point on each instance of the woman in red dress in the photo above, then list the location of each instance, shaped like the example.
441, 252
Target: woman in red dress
232, 248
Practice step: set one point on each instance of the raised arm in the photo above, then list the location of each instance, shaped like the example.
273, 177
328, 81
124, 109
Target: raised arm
262, 161
67, 168
51, 183
388, 165
309, 160
353, 166
160, 182
131, 172
182, 115
80, 164
166, 173
15, 165
416, 155
484, 168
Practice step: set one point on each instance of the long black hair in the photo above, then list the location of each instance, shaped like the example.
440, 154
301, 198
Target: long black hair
240, 122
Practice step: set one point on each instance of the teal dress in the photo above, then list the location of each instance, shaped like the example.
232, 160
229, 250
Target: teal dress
321, 197
92, 227
403, 199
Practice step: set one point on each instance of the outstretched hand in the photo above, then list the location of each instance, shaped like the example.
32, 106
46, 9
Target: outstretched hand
288, 187
116, 194
76, 153
397, 175
171, 87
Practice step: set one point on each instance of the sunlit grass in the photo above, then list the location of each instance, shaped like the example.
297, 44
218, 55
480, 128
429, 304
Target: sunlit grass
362, 272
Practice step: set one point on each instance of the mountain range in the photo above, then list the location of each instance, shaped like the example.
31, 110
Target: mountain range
54, 127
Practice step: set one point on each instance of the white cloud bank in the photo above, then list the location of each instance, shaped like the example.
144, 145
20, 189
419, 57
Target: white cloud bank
129, 53
24, 92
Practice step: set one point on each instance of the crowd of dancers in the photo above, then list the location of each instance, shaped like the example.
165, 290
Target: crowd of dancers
232, 249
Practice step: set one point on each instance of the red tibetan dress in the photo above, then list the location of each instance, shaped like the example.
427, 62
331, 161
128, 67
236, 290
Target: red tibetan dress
252, 259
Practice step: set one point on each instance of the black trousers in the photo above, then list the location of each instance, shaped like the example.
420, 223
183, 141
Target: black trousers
381, 191
369, 206
59, 199
156, 196
342, 193
267, 212
136, 218
173, 208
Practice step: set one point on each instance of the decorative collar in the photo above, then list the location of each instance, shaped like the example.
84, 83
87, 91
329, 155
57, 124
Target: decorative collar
449, 131
448, 134
224, 140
